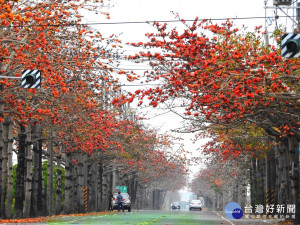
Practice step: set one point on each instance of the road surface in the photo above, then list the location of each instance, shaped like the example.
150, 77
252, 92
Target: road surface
159, 217
155, 217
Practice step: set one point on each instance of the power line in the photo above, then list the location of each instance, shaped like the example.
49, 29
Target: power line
174, 21
139, 85
138, 22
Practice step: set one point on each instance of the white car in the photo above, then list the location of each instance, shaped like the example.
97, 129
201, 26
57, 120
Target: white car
126, 201
195, 204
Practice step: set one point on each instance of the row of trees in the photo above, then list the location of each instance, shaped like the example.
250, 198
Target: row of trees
69, 122
256, 172
32, 192
239, 93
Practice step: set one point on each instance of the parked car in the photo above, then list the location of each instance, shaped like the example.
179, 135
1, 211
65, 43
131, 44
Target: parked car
175, 205
126, 201
195, 204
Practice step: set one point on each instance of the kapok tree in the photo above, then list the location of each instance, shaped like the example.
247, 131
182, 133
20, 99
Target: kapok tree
48, 36
217, 71
240, 154
224, 77
226, 173
150, 156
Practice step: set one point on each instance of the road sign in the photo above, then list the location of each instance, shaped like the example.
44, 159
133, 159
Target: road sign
290, 45
31, 79
123, 189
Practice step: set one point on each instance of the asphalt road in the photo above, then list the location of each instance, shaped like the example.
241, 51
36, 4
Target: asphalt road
151, 217
157, 217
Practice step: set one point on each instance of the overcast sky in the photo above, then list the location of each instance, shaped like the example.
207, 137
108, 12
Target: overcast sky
244, 11
146, 10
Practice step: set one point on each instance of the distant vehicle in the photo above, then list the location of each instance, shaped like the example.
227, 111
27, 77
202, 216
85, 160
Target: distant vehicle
175, 205
184, 205
202, 201
126, 201
195, 204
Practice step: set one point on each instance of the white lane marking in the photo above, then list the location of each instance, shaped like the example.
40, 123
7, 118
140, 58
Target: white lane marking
224, 218
83, 219
75, 220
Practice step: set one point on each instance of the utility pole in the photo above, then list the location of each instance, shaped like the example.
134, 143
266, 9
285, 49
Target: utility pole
298, 16
283, 6
290, 48
266, 28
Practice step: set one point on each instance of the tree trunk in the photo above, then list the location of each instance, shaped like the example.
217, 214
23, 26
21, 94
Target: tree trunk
75, 189
58, 205
1, 149
19, 197
92, 178
273, 178
293, 144
261, 181
41, 204
35, 171
242, 189
133, 192
68, 185
294, 159
80, 185
9, 198
50, 175
253, 182
109, 189
28, 189
81, 182
99, 187
104, 189
4, 165
279, 173
268, 179
286, 177
141, 197
235, 189
85, 183
35, 165
297, 220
